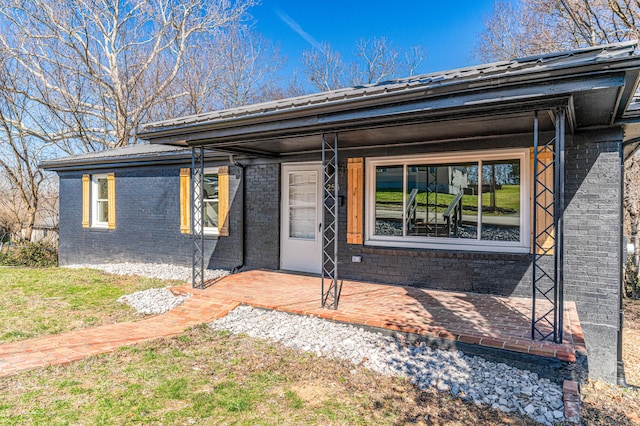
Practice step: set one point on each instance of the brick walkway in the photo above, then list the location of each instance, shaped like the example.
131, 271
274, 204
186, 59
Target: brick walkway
75, 345
491, 321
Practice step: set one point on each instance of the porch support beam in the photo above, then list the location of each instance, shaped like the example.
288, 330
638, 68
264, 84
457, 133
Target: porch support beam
330, 287
548, 233
197, 223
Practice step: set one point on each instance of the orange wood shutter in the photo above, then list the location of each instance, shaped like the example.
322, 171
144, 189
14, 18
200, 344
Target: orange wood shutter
223, 201
86, 201
185, 198
544, 218
111, 200
355, 195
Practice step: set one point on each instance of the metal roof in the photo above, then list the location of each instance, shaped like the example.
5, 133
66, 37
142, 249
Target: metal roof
481, 73
139, 153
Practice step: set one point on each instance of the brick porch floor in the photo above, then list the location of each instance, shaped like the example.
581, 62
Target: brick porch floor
478, 319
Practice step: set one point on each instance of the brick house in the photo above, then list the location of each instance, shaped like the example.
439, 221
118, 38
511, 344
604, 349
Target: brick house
503, 178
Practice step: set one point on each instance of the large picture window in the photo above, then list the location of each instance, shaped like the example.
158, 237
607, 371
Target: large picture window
472, 201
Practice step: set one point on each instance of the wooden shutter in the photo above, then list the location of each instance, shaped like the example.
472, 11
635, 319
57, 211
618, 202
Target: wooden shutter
355, 195
185, 200
86, 201
223, 201
544, 218
111, 200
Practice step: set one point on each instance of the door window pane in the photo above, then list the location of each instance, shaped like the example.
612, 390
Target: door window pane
501, 200
302, 205
389, 184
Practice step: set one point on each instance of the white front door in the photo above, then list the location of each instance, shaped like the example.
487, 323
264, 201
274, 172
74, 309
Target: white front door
300, 232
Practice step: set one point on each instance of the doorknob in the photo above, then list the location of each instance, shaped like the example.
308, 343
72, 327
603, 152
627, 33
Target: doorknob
320, 227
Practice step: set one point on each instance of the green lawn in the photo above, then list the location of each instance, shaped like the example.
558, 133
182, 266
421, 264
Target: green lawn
205, 377
507, 198
36, 302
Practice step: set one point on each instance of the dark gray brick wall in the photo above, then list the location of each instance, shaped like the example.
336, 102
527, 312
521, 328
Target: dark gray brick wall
592, 242
147, 222
262, 222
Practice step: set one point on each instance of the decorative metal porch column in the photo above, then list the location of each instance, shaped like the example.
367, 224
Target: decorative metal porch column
330, 288
197, 224
548, 235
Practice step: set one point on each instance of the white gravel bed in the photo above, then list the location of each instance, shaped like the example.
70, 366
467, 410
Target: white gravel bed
153, 301
162, 271
470, 378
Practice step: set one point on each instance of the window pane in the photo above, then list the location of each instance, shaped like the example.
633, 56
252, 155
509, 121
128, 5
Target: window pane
103, 192
446, 200
389, 183
210, 187
210, 218
103, 211
302, 205
501, 200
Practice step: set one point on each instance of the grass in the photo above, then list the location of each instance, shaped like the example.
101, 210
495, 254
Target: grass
209, 377
38, 302
507, 198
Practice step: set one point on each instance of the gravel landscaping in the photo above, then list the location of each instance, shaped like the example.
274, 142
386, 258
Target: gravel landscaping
152, 270
469, 378
153, 301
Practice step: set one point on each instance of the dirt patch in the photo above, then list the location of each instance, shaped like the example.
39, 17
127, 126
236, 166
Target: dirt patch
314, 393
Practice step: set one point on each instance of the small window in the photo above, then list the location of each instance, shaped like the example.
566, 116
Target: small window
210, 201
100, 201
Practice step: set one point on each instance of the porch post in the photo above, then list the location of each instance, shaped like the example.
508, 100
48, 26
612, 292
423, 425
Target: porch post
197, 225
548, 234
330, 288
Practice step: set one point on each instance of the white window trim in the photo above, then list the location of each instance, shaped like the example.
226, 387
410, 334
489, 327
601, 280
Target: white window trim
95, 223
209, 230
444, 243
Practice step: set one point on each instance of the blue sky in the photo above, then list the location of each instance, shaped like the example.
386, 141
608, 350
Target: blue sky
447, 30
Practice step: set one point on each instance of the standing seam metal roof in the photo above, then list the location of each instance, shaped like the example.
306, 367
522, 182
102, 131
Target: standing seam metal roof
505, 68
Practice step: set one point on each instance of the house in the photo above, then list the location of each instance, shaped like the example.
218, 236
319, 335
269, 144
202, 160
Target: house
503, 178
45, 230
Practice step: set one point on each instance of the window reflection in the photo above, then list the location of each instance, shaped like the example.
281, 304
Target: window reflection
389, 183
441, 200
501, 200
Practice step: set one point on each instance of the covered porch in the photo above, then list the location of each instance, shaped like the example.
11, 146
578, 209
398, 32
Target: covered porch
475, 323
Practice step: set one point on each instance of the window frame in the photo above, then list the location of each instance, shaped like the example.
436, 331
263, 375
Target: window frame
445, 243
95, 222
209, 230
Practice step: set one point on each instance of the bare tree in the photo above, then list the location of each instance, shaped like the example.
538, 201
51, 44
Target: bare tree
25, 139
247, 66
324, 67
101, 66
528, 27
376, 60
